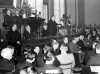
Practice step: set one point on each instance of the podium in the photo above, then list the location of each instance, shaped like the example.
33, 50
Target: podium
95, 69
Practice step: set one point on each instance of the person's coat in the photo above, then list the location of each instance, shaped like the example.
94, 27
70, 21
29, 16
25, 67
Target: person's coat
6, 66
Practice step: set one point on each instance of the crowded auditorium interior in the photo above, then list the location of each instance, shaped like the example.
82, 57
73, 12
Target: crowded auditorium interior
49, 37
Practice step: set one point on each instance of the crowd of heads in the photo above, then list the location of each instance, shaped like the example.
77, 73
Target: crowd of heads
63, 43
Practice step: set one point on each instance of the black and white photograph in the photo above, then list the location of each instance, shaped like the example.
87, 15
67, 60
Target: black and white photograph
49, 36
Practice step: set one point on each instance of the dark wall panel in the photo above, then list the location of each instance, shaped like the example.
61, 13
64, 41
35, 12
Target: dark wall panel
50, 8
6, 3
81, 13
92, 11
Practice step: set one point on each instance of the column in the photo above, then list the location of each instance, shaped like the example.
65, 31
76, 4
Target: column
65, 4
50, 8
15, 3
81, 13
76, 14
1, 19
62, 8
45, 12
18, 3
57, 10
71, 10
22, 3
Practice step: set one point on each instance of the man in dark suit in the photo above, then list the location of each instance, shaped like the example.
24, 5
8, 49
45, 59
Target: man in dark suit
75, 49
52, 27
14, 38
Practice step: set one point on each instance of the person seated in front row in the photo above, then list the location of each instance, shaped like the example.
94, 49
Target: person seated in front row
39, 57
6, 64
66, 60
66, 41
75, 49
55, 47
51, 64
52, 60
81, 43
29, 55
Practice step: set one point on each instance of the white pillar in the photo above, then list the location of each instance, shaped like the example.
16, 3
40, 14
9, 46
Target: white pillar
45, 12
59, 9
15, 3
62, 8
56, 10
71, 10
39, 6
21, 3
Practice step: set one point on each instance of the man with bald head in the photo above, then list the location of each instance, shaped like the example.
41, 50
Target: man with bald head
6, 65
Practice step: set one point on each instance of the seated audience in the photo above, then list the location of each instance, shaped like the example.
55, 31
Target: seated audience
66, 60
